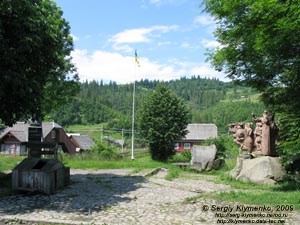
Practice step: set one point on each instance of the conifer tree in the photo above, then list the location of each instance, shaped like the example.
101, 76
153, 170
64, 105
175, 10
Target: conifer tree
163, 119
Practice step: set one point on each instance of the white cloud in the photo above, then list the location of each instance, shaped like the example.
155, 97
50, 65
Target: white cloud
155, 2
204, 20
132, 36
185, 45
75, 38
210, 43
121, 40
106, 66
140, 35
164, 43
123, 48
205, 70
167, 2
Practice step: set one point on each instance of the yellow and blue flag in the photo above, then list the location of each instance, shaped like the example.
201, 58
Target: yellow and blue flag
137, 59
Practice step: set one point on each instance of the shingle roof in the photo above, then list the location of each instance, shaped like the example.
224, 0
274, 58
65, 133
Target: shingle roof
199, 131
48, 126
85, 142
20, 130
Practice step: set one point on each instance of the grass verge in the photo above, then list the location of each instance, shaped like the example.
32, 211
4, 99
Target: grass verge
9, 162
138, 163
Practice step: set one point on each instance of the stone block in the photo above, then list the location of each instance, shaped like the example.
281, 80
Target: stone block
262, 170
203, 157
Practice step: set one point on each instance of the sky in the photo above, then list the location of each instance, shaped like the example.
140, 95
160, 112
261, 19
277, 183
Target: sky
170, 37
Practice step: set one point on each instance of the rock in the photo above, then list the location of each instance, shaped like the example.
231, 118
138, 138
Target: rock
239, 164
203, 157
218, 164
262, 170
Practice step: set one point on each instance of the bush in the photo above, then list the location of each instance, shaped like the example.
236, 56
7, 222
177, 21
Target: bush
225, 146
184, 156
105, 151
289, 144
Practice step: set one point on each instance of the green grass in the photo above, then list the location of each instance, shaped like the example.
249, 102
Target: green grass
173, 173
285, 193
9, 162
270, 198
93, 130
138, 163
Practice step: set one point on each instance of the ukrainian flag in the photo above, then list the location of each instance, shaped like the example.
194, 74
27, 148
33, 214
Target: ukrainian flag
136, 58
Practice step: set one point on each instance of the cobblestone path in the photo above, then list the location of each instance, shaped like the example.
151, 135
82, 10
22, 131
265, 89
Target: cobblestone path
115, 197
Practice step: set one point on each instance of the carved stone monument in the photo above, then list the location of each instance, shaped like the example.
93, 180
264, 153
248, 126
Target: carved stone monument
268, 134
261, 140
258, 142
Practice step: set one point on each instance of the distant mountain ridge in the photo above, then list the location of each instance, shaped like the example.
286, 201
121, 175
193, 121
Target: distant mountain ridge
209, 101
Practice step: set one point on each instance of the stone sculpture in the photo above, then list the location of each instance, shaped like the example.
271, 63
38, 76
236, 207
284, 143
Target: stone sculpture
265, 169
266, 134
262, 140
243, 137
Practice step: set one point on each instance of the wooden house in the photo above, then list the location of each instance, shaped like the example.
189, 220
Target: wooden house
82, 142
197, 133
14, 140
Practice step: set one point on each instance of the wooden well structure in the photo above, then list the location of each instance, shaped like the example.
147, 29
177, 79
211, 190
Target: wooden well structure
37, 172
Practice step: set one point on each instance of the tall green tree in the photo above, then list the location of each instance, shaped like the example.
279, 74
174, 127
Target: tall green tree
163, 118
260, 44
35, 65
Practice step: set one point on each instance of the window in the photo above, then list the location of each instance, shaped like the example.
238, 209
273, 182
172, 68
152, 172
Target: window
8, 149
23, 150
187, 146
53, 134
5, 149
176, 146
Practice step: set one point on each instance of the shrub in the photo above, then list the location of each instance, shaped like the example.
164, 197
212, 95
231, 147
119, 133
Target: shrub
184, 156
105, 151
289, 144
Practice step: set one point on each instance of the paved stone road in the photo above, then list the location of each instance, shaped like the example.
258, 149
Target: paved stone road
114, 197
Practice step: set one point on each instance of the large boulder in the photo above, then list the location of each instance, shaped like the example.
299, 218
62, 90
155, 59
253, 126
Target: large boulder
262, 170
203, 157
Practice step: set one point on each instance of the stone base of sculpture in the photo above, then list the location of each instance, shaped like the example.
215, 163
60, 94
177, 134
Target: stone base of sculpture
261, 170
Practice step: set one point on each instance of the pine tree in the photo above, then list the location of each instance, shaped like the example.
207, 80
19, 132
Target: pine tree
163, 118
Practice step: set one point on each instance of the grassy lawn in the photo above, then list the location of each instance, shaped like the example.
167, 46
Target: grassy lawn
9, 162
91, 163
284, 193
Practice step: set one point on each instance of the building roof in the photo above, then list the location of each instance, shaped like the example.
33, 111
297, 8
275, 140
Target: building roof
85, 142
48, 126
20, 130
201, 131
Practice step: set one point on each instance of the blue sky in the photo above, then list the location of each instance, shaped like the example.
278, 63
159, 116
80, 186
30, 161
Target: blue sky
170, 36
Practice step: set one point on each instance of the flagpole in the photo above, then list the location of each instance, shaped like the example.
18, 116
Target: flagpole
133, 108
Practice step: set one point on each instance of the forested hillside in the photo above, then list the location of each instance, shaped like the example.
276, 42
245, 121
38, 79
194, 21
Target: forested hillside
209, 101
